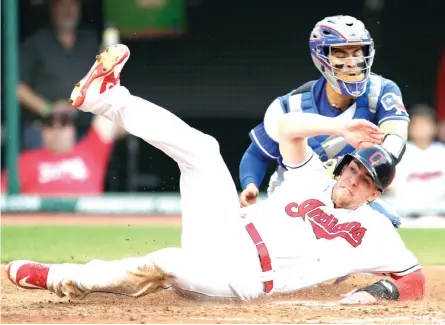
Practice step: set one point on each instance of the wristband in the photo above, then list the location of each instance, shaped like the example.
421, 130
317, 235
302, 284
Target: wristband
395, 145
382, 290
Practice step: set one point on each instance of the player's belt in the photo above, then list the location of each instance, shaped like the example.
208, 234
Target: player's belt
265, 261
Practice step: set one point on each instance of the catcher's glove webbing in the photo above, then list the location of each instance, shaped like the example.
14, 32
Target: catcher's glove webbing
330, 166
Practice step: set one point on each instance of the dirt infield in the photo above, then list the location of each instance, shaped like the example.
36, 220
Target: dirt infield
312, 306
87, 220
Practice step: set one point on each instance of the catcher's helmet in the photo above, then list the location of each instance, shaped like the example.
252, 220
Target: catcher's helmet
380, 164
338, 31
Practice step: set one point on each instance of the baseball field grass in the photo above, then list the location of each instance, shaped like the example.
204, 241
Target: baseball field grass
78, 244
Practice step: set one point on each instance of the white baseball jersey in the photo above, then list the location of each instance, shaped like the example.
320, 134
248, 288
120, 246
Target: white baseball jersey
310, 241
421, 174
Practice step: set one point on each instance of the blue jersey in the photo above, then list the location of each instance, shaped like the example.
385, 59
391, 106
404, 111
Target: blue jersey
381, 102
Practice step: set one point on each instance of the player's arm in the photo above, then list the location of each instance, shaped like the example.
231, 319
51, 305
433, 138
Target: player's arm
100, 139
295, 128
253, 166
391, 114
410, 286
398, 127
262, 150
252, 169
391, 258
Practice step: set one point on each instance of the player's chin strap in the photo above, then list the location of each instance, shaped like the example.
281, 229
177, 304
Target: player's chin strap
382, 290
395, 145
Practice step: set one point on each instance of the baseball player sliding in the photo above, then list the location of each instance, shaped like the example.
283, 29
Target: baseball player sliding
310, 230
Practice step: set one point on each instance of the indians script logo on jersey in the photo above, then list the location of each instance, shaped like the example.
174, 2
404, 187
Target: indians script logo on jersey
326, 225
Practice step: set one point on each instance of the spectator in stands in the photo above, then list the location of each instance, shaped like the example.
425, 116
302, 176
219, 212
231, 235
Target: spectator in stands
52, 61
62, 167
420, 177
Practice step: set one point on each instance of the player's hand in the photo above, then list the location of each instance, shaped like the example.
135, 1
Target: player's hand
361, 133
249, 195
357, 298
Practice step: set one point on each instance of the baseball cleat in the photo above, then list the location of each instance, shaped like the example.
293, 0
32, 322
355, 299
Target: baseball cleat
28, 274
103, 75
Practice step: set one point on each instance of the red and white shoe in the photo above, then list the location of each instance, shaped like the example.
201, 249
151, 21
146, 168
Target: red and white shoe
103, 75
28, 274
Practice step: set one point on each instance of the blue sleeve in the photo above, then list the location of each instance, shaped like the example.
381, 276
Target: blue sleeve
390, 105
264, 142
380, 206
253, 166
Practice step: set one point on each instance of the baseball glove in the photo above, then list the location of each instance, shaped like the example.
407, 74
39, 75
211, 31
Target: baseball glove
330, 165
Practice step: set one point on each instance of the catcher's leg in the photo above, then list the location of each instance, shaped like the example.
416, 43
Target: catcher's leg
208, 194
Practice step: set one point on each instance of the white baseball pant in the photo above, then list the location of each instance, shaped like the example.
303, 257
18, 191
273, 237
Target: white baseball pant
217, 257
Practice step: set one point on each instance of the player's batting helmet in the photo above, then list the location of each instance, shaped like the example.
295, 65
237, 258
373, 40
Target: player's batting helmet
380, 164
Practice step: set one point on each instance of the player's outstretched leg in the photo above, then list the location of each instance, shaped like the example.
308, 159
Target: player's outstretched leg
209, 197
131, 276
218, 257
138, 276
99, 92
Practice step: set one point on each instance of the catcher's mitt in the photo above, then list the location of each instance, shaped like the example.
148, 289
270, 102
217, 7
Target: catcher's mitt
330, 165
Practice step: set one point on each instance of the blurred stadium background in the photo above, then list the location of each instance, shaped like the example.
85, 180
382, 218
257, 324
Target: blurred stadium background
217, 64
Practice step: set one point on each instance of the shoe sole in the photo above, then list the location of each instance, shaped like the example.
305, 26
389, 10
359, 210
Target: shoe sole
105, 64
